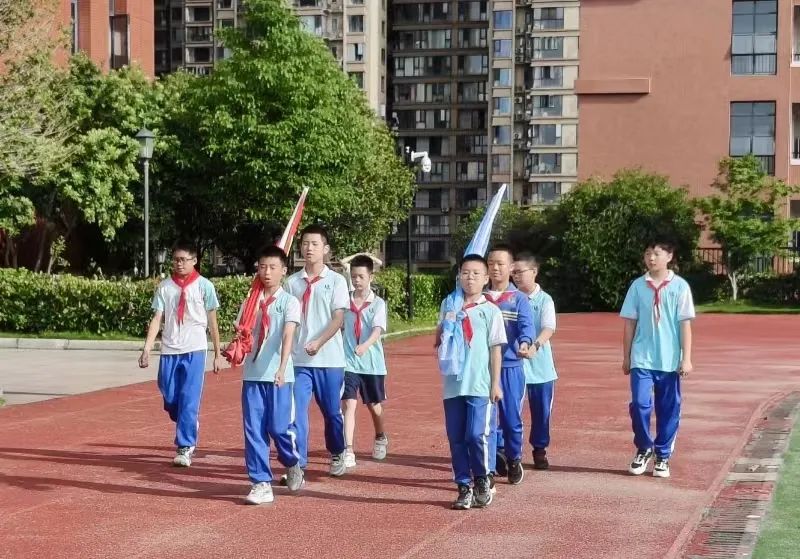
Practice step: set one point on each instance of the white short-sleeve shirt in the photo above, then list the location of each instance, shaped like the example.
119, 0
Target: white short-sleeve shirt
201, 297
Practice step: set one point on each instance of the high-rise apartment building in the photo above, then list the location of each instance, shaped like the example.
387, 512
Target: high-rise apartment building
113, 33
487, 89
355, 31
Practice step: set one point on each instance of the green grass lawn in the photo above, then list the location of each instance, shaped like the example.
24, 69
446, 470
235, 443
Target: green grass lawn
780, 535
746, 307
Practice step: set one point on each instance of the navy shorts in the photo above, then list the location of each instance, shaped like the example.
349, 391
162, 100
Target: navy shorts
371, 387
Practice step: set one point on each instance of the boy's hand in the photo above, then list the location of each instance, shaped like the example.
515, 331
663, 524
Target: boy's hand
496, 394
360, 350
219, 362
626, 366
312, 347
524, 350
144, 359
280, 377
685, 368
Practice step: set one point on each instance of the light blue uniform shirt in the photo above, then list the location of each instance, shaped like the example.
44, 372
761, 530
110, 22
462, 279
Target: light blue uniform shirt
488, 330
373, 362
329, 294
201, 297
657, 342
541, 367
285, 308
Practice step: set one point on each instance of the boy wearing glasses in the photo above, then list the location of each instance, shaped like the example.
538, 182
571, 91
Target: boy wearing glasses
540, 371
506, 441
470, 392
188, 303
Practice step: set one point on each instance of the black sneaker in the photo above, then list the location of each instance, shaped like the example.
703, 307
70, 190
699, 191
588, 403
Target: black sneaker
540, 459
501, 467
483, 492
491, 483
640, 461
464, 499
515, 472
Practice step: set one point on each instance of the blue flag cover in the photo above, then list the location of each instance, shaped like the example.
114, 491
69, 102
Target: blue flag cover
453, 349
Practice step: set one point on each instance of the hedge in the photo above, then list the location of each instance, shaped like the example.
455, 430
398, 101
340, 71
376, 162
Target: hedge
36, 303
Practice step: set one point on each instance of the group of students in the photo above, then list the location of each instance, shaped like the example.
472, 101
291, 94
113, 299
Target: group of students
315, 337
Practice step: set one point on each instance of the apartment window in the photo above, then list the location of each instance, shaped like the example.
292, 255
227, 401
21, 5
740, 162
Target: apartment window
502, 48
383, 84
545, 163
177, 34
471, 170
198, 54
73, 20
436, 146
468, 198
541, 193
120, 54
548, 76
502, 19
425, 39
431, 225
199, 34
422, 66
161, 58
383, 57
198, 14
501, 105
335, 51
223, 53
472, 38
471, 92
471, 120
224, 4
225, 23
422, 92
546, 134
161, 37
357, 77
177, 14
424, 119
432, 198
548, 47
548, 18
753, 132
312, 24
546, 105
356, 24
356, 52
501, 77
472, 11
501, 135
755, 33
177, 56
474, 64
357, 2
472, 145
421, 13
440, 172
501, 163
161, 18
308, 3
383, 29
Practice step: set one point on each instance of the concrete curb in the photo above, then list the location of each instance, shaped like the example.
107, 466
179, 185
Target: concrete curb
130, 345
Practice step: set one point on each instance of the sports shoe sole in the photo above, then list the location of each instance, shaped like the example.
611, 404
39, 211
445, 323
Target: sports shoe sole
521, 477
640, 470
478, 505
256, 503
657, 473
465, 506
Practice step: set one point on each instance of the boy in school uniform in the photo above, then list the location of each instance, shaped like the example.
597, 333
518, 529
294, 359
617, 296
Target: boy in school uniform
365, 372
188, 303
319, 351
267, 403
506, 440
657, 353
469, 395
540, 370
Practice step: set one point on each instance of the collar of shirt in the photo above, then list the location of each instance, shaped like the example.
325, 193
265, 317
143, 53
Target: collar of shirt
670, 276
479, 301
536, 290
370, 298
263, 295
322, 274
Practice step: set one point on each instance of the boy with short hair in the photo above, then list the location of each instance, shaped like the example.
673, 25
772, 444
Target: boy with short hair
540, 370
365, 372
657, 346
267, 405
319, 352
188, 303
506, 440
469, 394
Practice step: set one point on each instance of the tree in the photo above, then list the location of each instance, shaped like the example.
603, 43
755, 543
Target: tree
744, 220
278, 115
521, 228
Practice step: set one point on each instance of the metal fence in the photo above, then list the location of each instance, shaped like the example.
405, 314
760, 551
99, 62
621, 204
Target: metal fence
782, 261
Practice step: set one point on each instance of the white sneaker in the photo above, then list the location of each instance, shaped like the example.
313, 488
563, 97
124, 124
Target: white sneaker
294, 478
380, 448
349, 459
261, 493
183, 458
640, 461
338, 467
661, 468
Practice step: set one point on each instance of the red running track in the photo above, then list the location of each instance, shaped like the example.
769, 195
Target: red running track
89, 476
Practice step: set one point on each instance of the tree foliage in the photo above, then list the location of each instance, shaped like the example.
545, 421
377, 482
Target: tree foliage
744, 218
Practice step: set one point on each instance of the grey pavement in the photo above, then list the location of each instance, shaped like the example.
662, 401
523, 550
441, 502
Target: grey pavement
34, 375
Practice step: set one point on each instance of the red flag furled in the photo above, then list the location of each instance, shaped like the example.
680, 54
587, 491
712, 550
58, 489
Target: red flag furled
242, 342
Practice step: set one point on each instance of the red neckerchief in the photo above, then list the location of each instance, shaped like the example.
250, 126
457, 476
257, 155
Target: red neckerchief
358, 312
466, 324
307, 292
264, 307
504, 296
657, 295
184, 283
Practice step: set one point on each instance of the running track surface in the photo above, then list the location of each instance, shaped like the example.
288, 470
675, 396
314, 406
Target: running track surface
89, 476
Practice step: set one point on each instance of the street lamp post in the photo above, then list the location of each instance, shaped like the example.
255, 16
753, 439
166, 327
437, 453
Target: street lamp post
146, 140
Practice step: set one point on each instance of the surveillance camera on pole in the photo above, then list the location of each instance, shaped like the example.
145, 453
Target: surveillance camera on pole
425, 161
